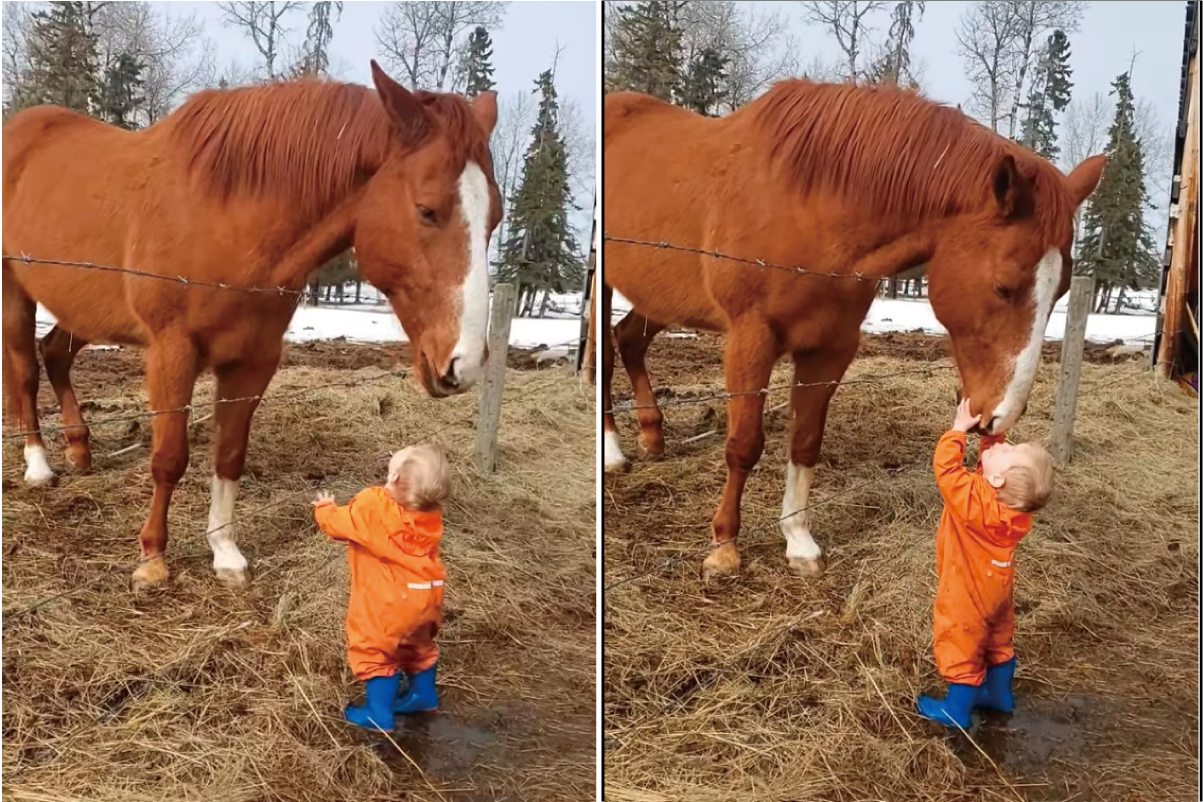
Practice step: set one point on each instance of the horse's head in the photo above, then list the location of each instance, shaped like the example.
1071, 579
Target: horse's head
423, 227
995, 276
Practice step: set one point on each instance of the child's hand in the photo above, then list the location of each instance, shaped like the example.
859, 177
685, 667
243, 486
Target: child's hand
965, 420
323, 498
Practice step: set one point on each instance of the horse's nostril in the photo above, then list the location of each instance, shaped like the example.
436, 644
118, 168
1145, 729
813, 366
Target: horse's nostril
450, 378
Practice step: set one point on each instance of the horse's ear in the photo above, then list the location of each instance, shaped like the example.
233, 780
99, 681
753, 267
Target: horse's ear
409, 117
1006, 185
484, 106
1085, 178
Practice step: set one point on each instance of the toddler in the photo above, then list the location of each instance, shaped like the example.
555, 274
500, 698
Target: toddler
986, 514
392, 535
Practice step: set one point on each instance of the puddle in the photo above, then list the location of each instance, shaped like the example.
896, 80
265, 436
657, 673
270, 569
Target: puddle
1026, 741
444, 746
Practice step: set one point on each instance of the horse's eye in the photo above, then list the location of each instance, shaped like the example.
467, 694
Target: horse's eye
1006, 293
428, 216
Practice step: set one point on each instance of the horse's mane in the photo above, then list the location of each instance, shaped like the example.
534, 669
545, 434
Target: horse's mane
309, 141
896, 152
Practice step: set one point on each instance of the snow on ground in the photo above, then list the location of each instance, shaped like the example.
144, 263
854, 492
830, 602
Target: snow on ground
909, 314
376, 323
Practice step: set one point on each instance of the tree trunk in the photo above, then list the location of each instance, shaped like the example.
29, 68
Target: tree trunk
892, 288
1119, 299
358, 288
543, 306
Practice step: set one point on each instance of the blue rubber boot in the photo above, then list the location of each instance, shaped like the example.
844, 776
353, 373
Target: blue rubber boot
420, 696
377, 714
996, 693
954, 710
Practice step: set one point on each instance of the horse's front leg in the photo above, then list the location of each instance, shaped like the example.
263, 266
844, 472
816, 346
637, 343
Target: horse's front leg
748, 364
172, 365
233, 424
59, 349
634, 334
808, 418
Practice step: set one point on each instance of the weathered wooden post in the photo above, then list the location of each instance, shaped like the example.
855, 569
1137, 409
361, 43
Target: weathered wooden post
584, 350
504, 296
1081, 293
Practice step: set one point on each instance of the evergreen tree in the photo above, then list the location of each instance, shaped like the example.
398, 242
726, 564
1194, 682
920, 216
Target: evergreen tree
121, 94
648, 53
62, 59
478, 63
1048, 96
541, 255
1118, 247
703, 87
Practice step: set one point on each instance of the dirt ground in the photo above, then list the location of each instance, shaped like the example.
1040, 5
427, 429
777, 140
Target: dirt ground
196, 692
769, 687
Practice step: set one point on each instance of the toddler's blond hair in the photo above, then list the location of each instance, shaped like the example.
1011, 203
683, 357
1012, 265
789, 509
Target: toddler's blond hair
1028, 485
422, 476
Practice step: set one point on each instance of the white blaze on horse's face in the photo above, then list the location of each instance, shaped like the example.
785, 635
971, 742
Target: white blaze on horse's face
468, 356
1027, 361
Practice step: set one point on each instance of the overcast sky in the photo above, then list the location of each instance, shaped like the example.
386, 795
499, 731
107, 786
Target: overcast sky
1102, 49
524, 46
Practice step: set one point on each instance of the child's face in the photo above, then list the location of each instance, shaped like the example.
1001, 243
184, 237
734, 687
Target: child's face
999, 459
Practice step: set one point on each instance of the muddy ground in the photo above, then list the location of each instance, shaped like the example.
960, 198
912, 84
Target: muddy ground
765, 686
197, 692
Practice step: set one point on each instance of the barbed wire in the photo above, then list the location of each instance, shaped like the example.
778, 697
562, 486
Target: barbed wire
189, 408
727, 396
290, 496
717, 254
181, 280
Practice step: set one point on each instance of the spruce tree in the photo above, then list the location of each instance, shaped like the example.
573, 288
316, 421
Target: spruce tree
63, 58
1048, 96
703, 87
541, 255
478, 63
1118, 247
648, 53
121, 94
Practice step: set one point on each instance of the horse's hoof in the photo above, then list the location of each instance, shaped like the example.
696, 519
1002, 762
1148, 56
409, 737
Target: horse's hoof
613, 459
34, 478
619, 466
150, 574
235, 580
722, 561
653, 444
81, 459
808, 569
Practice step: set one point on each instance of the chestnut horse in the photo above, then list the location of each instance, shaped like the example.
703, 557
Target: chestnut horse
252, 187
831, 179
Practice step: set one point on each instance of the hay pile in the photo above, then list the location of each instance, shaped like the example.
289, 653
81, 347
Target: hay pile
200, 693
767, 687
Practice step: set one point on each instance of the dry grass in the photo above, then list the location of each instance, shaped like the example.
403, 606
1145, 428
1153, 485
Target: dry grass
768, 687
196, 692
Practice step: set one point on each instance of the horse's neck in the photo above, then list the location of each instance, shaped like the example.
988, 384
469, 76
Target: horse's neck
315, 246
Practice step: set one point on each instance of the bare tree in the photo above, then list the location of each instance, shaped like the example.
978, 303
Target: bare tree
996, 38
514, 120
177, 58
756, 43
848, 21
423, 40
263, 22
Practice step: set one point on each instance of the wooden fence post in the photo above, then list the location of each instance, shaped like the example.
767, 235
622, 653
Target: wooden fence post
584, 349
500, 315
1081, 293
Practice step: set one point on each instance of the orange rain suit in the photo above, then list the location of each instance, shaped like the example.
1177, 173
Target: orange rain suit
975, 552
396, 582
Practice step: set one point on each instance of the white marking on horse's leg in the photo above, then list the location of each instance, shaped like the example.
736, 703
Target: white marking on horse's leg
468, 356
799, 545
227, 559
37, 469
612, 456
1027, 361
